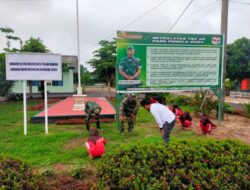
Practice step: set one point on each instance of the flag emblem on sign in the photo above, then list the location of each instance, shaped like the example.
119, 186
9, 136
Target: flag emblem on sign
216, 40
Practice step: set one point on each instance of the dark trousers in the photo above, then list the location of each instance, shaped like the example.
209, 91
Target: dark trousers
167, 127
97, 120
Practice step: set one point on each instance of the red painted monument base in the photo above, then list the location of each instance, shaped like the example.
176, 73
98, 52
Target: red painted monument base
64, 110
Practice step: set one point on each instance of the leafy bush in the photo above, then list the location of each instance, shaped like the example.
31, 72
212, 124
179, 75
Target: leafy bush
208, 105
181, 165
80, 171
247, 109
16, 175
228, 108
230, 85
14, 97
180, 100
171, 99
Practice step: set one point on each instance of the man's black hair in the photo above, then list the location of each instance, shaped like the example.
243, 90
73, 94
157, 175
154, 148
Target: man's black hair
175, 106
158, 99
145, 102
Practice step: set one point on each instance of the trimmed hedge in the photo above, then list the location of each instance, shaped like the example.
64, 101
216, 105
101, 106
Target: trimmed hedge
16, 175
180, 165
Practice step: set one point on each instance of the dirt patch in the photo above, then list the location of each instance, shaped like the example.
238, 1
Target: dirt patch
56, 169
237, 100
61, 168
67, 182
75, 143
71, 183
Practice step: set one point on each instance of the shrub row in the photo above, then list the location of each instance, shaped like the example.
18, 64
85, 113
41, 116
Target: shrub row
16, 175
180, 165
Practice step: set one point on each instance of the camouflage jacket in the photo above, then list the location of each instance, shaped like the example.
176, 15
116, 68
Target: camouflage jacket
129, 106
90, 106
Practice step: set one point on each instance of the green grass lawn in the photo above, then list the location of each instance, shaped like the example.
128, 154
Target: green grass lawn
65, 143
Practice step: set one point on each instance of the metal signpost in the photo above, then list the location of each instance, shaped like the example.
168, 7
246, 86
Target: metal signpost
33, 66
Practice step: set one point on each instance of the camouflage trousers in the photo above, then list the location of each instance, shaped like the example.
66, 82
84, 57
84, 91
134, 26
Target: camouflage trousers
96, 117
130, 120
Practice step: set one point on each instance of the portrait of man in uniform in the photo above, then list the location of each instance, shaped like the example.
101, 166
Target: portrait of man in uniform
130, 66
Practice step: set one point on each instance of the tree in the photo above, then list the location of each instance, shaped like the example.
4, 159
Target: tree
34, 45
104, 61
7, 31
5, 85
230, 85
86, 76
238, 59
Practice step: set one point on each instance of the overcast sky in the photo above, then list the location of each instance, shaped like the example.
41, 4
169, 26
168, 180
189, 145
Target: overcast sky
54, 21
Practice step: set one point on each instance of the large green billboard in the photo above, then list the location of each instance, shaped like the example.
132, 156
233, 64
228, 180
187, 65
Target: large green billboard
155, 62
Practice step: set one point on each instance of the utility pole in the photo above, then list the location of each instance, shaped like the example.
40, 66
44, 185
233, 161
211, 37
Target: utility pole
224, 24
79, 88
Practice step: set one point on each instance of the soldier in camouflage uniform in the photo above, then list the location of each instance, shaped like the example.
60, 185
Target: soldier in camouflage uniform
129, 107
130, 66
92, 109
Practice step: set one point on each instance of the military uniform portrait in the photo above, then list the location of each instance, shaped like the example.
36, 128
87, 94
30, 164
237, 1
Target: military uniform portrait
130, 66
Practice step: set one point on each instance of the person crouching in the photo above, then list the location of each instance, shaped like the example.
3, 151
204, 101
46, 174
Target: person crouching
186, 120
95, 144
178, 112
206, 125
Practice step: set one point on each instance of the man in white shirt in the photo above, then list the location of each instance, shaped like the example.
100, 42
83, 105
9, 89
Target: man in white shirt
163, 116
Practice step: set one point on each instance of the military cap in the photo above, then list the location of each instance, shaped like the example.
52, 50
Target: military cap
130, 48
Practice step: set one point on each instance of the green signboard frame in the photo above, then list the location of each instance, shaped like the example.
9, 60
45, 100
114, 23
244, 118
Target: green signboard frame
169, 61
174, 48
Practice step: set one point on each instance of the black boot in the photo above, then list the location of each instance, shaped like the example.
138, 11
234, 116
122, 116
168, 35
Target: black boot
98, 125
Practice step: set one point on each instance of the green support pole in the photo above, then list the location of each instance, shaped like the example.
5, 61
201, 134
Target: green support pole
220, 105
218, 93
117, 112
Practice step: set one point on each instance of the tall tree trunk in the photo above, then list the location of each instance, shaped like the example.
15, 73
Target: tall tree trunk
30, 90
109, 82
109, 86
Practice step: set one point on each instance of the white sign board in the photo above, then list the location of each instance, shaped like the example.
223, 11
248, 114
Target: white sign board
189, 66
33, 66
